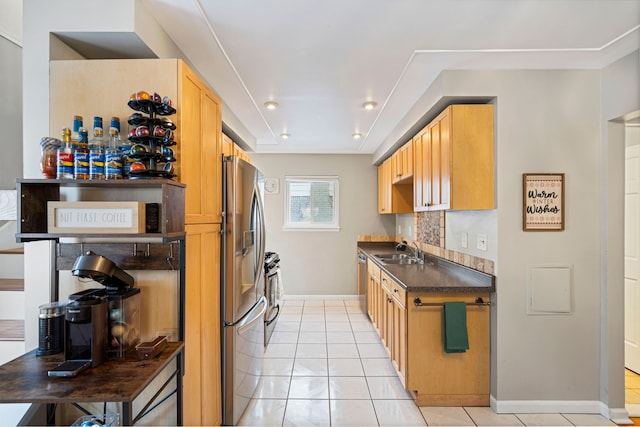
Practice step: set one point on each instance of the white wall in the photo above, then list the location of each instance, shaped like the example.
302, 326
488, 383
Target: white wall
11, 93
620, 89
544, 118
323, 262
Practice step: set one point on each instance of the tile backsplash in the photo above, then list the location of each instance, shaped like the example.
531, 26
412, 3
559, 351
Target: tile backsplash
430, 228
430, 238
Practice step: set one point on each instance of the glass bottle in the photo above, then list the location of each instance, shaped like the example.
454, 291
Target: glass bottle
49, 156
113, 153
96, 151
81, 156
75, 133
125, 148
64, 168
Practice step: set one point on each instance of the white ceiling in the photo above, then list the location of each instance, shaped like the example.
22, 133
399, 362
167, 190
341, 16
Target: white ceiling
321, 60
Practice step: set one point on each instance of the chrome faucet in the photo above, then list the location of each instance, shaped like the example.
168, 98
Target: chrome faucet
417, 253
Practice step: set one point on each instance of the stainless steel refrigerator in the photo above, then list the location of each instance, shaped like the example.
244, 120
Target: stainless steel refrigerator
243, 297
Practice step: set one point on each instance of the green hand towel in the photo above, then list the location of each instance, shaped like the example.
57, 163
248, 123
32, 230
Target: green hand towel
456, 339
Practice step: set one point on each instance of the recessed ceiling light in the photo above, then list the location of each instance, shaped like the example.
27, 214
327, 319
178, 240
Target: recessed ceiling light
284, 135
369, 105
271, 105
357, 135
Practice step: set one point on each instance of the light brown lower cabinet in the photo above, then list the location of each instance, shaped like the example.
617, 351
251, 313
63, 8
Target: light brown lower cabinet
413, 337
202, 382
447, 379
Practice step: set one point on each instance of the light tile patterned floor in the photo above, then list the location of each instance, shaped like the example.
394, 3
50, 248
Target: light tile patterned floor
325, 366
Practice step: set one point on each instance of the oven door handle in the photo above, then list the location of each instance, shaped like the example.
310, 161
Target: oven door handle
273, 319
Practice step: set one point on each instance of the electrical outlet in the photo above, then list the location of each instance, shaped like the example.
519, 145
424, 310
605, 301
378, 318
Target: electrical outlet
464, 239
410, 232
482, 242
399, 230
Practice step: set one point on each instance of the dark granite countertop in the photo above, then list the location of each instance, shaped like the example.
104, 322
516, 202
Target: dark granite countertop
435, 275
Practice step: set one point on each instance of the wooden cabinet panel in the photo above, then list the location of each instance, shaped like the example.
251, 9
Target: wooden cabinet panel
392, 198
399, 343
230, 148
454, 160
418, 172
200, 160
448, 379
373, 289
402, 164
202, 381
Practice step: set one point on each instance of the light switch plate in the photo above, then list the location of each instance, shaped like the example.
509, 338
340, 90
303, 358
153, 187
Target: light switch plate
482, 242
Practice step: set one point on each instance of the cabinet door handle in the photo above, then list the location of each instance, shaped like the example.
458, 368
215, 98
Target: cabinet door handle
389, 299
395, 290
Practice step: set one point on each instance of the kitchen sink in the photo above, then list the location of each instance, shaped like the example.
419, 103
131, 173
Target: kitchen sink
398, 259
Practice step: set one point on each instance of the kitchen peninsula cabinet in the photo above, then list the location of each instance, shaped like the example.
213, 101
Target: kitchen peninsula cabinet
454, 160
102, 88
392, 198
405, 304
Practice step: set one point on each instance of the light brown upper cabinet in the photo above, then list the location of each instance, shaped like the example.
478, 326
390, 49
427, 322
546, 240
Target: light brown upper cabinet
454, 160
200, 120
392, 198
230, 148
403, 164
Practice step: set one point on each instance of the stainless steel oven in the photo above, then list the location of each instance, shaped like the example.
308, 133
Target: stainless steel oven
273, 292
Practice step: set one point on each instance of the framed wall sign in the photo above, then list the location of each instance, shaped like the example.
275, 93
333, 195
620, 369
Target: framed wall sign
543, 202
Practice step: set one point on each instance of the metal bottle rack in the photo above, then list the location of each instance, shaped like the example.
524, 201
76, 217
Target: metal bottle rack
151, 142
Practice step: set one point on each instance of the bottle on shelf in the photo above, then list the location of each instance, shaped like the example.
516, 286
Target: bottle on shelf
81, 156
96, 151
49, 156
64, 169
75, 137
113, 153
125, 148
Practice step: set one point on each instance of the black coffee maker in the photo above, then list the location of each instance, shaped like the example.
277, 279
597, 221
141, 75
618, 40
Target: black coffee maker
87, 329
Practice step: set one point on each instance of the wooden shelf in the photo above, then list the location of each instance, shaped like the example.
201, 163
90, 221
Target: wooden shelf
11, 330
14, 251
34, 195
11, 285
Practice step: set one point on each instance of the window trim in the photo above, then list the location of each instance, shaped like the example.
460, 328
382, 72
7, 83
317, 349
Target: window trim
333, 226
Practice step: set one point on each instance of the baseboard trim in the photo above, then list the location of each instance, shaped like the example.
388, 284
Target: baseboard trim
633, 409
547, 406
619, 416
319, 297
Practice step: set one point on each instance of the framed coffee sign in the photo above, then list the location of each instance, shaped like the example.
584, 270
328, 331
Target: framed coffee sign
543, 202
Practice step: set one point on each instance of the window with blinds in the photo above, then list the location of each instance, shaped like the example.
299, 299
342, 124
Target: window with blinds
311, 202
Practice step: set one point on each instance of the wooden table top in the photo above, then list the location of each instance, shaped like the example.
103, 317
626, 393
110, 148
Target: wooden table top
25, 379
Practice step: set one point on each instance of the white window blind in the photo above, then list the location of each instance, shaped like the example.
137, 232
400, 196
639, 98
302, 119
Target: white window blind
311, 203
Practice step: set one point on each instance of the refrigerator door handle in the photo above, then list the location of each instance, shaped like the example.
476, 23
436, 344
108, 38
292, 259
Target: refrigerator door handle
259, 271
250, 319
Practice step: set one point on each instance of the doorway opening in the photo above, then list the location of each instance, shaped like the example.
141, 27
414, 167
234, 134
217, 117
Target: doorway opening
632, 264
